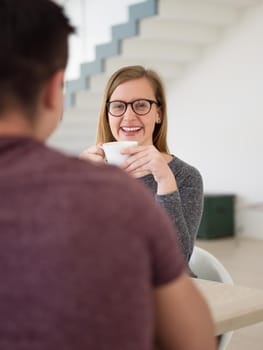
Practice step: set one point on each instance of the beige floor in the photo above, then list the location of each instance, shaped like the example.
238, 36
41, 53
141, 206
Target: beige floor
243, 259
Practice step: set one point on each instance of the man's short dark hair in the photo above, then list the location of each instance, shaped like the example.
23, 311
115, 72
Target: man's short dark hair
33, 46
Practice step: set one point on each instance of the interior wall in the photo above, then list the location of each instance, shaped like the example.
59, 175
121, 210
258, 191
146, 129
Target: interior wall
216, 123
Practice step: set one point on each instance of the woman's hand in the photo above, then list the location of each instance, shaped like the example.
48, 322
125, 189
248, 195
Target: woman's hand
94, 153
147, 159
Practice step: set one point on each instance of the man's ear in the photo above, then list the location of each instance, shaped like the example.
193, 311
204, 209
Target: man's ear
53, 90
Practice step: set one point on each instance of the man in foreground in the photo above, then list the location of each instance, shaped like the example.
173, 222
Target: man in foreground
87, 260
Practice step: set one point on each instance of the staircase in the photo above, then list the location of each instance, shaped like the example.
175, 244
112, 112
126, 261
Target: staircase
167, 35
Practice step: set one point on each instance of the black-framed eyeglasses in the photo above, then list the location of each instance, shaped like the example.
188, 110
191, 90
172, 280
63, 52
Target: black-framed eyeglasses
140, 107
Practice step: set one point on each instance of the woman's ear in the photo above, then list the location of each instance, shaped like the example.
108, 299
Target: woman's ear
159, 116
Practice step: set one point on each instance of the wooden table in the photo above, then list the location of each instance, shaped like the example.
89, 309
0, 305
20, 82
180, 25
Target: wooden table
232, 306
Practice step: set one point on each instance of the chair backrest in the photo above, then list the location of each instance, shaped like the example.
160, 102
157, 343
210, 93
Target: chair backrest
208, 267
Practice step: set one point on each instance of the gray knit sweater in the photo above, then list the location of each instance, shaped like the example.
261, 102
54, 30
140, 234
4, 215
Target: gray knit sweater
183, 206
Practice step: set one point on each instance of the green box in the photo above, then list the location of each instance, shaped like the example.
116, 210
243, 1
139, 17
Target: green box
218, 216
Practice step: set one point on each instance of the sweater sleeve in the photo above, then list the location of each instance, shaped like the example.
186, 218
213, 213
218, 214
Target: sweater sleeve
185, 206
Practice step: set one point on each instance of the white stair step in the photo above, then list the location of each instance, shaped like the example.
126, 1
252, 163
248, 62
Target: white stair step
98, 83
76, 133
80, 140
70, 145
210, 12
80, 115
81, 135
164, 68
138, 48
178, 30
89, 98
237, 3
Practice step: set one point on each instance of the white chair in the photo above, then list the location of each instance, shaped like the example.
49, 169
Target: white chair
208, 267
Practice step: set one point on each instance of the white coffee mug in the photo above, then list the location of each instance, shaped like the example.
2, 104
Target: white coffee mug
113, 149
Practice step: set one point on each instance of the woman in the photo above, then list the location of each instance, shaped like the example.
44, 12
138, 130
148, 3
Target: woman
134, 108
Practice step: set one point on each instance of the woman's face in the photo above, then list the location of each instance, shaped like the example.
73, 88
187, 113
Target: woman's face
131, 126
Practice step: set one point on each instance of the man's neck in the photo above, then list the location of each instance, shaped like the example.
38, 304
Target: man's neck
15, 124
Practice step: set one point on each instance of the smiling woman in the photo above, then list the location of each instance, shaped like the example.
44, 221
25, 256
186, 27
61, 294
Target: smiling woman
134, 109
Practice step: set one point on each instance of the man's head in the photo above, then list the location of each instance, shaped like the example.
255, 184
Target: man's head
33, 51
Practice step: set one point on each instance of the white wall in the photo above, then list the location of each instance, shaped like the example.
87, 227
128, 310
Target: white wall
93, 20
216, 120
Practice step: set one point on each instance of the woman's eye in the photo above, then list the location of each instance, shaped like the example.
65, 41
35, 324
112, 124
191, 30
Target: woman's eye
118, 106
140, 105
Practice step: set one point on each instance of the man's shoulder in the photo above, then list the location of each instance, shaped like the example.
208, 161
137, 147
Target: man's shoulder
74, 170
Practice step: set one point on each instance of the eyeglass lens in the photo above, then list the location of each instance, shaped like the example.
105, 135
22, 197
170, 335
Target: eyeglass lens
141, 107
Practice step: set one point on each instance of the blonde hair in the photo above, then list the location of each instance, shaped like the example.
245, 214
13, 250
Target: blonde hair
121, 76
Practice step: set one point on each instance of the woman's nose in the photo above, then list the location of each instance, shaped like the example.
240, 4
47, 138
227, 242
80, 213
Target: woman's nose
129, 113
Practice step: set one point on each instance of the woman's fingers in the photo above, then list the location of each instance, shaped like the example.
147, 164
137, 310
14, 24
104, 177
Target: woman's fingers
94, 153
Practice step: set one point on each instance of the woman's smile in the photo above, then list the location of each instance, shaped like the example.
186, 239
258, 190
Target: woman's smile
130, 130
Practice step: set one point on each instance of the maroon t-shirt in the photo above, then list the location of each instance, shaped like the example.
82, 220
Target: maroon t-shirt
82, 246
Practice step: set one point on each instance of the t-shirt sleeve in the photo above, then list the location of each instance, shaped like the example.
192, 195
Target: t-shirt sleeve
148, 229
